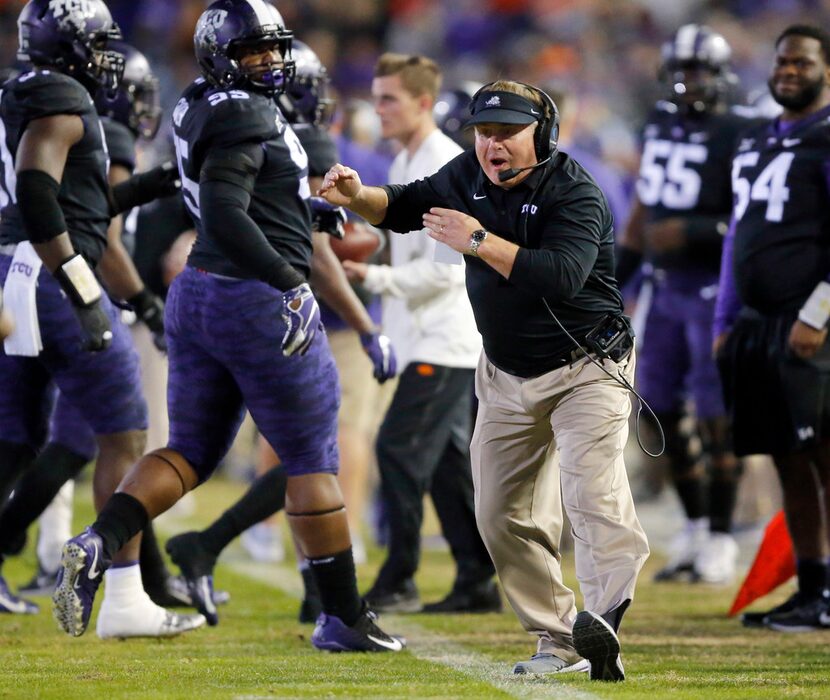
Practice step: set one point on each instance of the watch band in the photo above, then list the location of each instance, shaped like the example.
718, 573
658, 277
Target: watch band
477, 237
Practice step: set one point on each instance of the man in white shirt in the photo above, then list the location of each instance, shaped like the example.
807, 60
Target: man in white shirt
423, 444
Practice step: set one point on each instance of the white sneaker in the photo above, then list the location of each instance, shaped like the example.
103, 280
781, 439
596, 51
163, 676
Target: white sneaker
684, 549
263, 542
143, 618
716, 562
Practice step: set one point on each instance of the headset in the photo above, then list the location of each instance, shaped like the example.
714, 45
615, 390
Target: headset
546, 137
546, 145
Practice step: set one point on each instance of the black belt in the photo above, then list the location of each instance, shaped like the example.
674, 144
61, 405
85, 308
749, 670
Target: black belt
618, 353
571, 356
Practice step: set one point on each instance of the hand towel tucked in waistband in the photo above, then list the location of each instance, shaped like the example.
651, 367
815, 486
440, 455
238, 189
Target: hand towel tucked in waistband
19, 297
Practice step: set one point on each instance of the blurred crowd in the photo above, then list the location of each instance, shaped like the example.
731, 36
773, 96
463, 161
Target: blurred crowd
602, 53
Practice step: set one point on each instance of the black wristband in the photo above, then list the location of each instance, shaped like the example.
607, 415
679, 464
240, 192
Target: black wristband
37, 201
628, 262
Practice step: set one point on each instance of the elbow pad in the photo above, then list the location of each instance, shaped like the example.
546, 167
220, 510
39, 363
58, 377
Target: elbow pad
37, 201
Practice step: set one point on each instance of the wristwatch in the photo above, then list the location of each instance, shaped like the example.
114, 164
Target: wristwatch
476, 239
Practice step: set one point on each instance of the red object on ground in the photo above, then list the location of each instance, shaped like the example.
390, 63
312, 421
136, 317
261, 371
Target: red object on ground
774, 564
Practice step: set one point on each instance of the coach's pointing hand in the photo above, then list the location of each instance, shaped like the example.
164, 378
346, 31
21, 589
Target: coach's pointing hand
340, 185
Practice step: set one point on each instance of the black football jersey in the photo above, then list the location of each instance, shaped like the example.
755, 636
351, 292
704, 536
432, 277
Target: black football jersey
320, 148
206, 117
120, 143
83, 192
782, 212
684, 172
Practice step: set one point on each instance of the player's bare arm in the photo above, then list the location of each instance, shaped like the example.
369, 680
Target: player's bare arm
44, 147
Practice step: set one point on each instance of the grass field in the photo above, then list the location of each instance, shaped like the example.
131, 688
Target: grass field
677, 643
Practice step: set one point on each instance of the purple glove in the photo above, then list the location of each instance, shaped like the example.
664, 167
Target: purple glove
302, 316
380, 351
327, 217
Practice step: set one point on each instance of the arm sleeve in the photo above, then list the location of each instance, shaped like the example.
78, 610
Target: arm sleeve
727, 305
225, 188
569, 246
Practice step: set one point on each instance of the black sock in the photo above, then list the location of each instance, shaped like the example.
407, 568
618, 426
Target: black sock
693, 497
337, 582
263, 498
52, 468
812, 577
722, 496
310, 590
614, 617
14, 460
154, 571
121, 519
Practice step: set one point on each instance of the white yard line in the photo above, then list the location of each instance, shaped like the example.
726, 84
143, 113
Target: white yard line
430, 646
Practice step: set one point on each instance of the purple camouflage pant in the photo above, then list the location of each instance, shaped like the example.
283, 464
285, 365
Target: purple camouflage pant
104, 387
68, 428
675, 362
223, 338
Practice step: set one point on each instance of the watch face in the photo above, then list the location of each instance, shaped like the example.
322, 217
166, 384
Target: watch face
479, 235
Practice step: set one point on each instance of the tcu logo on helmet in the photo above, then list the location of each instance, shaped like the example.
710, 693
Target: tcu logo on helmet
209, 22
72, 12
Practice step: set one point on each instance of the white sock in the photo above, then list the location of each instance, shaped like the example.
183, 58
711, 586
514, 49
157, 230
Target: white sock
122, 585
127, 610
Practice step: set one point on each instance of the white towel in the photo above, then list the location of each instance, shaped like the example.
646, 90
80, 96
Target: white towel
19, 297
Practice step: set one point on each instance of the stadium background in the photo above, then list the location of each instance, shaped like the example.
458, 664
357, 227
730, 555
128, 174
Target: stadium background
602, 52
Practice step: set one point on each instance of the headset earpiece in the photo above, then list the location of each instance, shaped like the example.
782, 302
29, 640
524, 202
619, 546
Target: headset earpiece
546, 138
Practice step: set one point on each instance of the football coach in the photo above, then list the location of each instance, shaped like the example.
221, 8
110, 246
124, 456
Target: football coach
551, 383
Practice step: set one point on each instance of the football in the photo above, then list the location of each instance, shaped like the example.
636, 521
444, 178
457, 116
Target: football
359, 244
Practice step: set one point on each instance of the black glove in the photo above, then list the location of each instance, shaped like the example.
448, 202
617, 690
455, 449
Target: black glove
150, 311
78, 282
96, 326
161, 181
327, 218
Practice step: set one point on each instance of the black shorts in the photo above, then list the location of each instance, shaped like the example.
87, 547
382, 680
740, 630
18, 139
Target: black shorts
779, 403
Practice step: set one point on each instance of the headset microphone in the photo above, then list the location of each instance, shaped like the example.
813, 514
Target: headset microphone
510, 173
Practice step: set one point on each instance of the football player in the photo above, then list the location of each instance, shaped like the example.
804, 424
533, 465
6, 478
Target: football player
679, 216
56, 208
242, 327
776, 265
130, 112
308, 109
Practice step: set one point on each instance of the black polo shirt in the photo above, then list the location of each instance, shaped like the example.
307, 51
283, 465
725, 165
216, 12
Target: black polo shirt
561, 221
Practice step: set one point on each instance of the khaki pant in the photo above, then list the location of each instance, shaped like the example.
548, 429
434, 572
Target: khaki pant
539, 443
